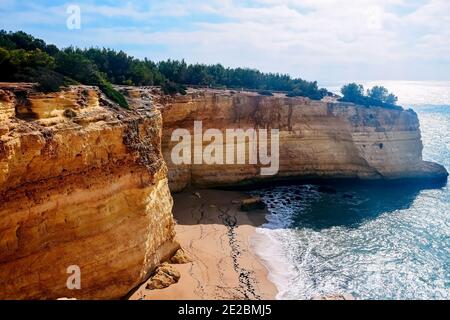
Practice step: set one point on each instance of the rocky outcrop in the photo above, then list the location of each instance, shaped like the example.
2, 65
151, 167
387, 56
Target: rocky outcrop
317, 139
82, 183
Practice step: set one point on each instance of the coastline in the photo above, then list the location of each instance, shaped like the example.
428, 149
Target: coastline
218, 237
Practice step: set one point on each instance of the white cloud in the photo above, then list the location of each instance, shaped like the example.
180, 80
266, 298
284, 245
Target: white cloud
312, 38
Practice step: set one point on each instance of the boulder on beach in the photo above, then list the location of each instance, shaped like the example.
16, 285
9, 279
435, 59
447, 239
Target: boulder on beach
165, 276
181, 257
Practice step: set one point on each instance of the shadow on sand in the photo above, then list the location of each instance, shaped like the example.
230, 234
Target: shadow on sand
313, 204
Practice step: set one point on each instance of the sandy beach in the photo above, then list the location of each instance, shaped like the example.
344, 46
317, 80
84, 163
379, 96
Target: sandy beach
217, 236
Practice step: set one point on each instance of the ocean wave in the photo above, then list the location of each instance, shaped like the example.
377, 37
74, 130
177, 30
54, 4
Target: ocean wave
369, 241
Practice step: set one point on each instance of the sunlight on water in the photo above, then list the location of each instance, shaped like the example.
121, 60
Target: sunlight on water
374, 242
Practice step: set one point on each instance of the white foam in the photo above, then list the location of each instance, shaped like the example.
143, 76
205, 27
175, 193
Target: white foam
270, 250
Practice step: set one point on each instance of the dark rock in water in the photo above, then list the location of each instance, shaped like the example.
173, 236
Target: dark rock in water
348, 196
328, 190
252, 204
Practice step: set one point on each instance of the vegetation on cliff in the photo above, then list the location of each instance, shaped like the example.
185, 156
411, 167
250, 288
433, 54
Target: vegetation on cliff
25, 58
218, 76
377, 96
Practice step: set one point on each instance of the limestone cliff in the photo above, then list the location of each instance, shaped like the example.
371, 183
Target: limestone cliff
317, 139
82, 183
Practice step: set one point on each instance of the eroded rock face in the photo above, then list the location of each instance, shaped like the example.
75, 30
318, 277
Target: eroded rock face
7, 109
88, 190
317, 139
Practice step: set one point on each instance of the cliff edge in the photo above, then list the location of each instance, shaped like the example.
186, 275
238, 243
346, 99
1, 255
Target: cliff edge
82, 185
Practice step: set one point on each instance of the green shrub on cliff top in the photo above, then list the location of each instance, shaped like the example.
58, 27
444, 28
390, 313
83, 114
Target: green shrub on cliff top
378, 96
379, 93
78, 67
113, 94
171, 88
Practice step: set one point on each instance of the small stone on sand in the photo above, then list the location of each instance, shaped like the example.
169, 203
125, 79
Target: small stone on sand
164, 276
197, 194
181, 257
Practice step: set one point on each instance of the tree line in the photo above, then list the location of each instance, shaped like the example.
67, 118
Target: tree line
26, 58
377, 96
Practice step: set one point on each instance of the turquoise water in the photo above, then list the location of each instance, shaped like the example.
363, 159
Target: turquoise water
374, 242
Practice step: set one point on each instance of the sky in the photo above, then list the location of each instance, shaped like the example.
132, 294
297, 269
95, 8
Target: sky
324, 40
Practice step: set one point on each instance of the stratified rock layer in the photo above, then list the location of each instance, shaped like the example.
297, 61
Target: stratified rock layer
81, 184
317, 139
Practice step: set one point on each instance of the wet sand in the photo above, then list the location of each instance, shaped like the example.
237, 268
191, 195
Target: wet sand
217, 236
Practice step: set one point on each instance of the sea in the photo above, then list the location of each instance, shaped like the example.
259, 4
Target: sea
378, 242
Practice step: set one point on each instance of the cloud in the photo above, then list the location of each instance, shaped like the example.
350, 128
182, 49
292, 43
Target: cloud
324, 39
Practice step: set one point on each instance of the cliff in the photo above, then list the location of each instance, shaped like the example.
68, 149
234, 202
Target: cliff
82, 183
317, 139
